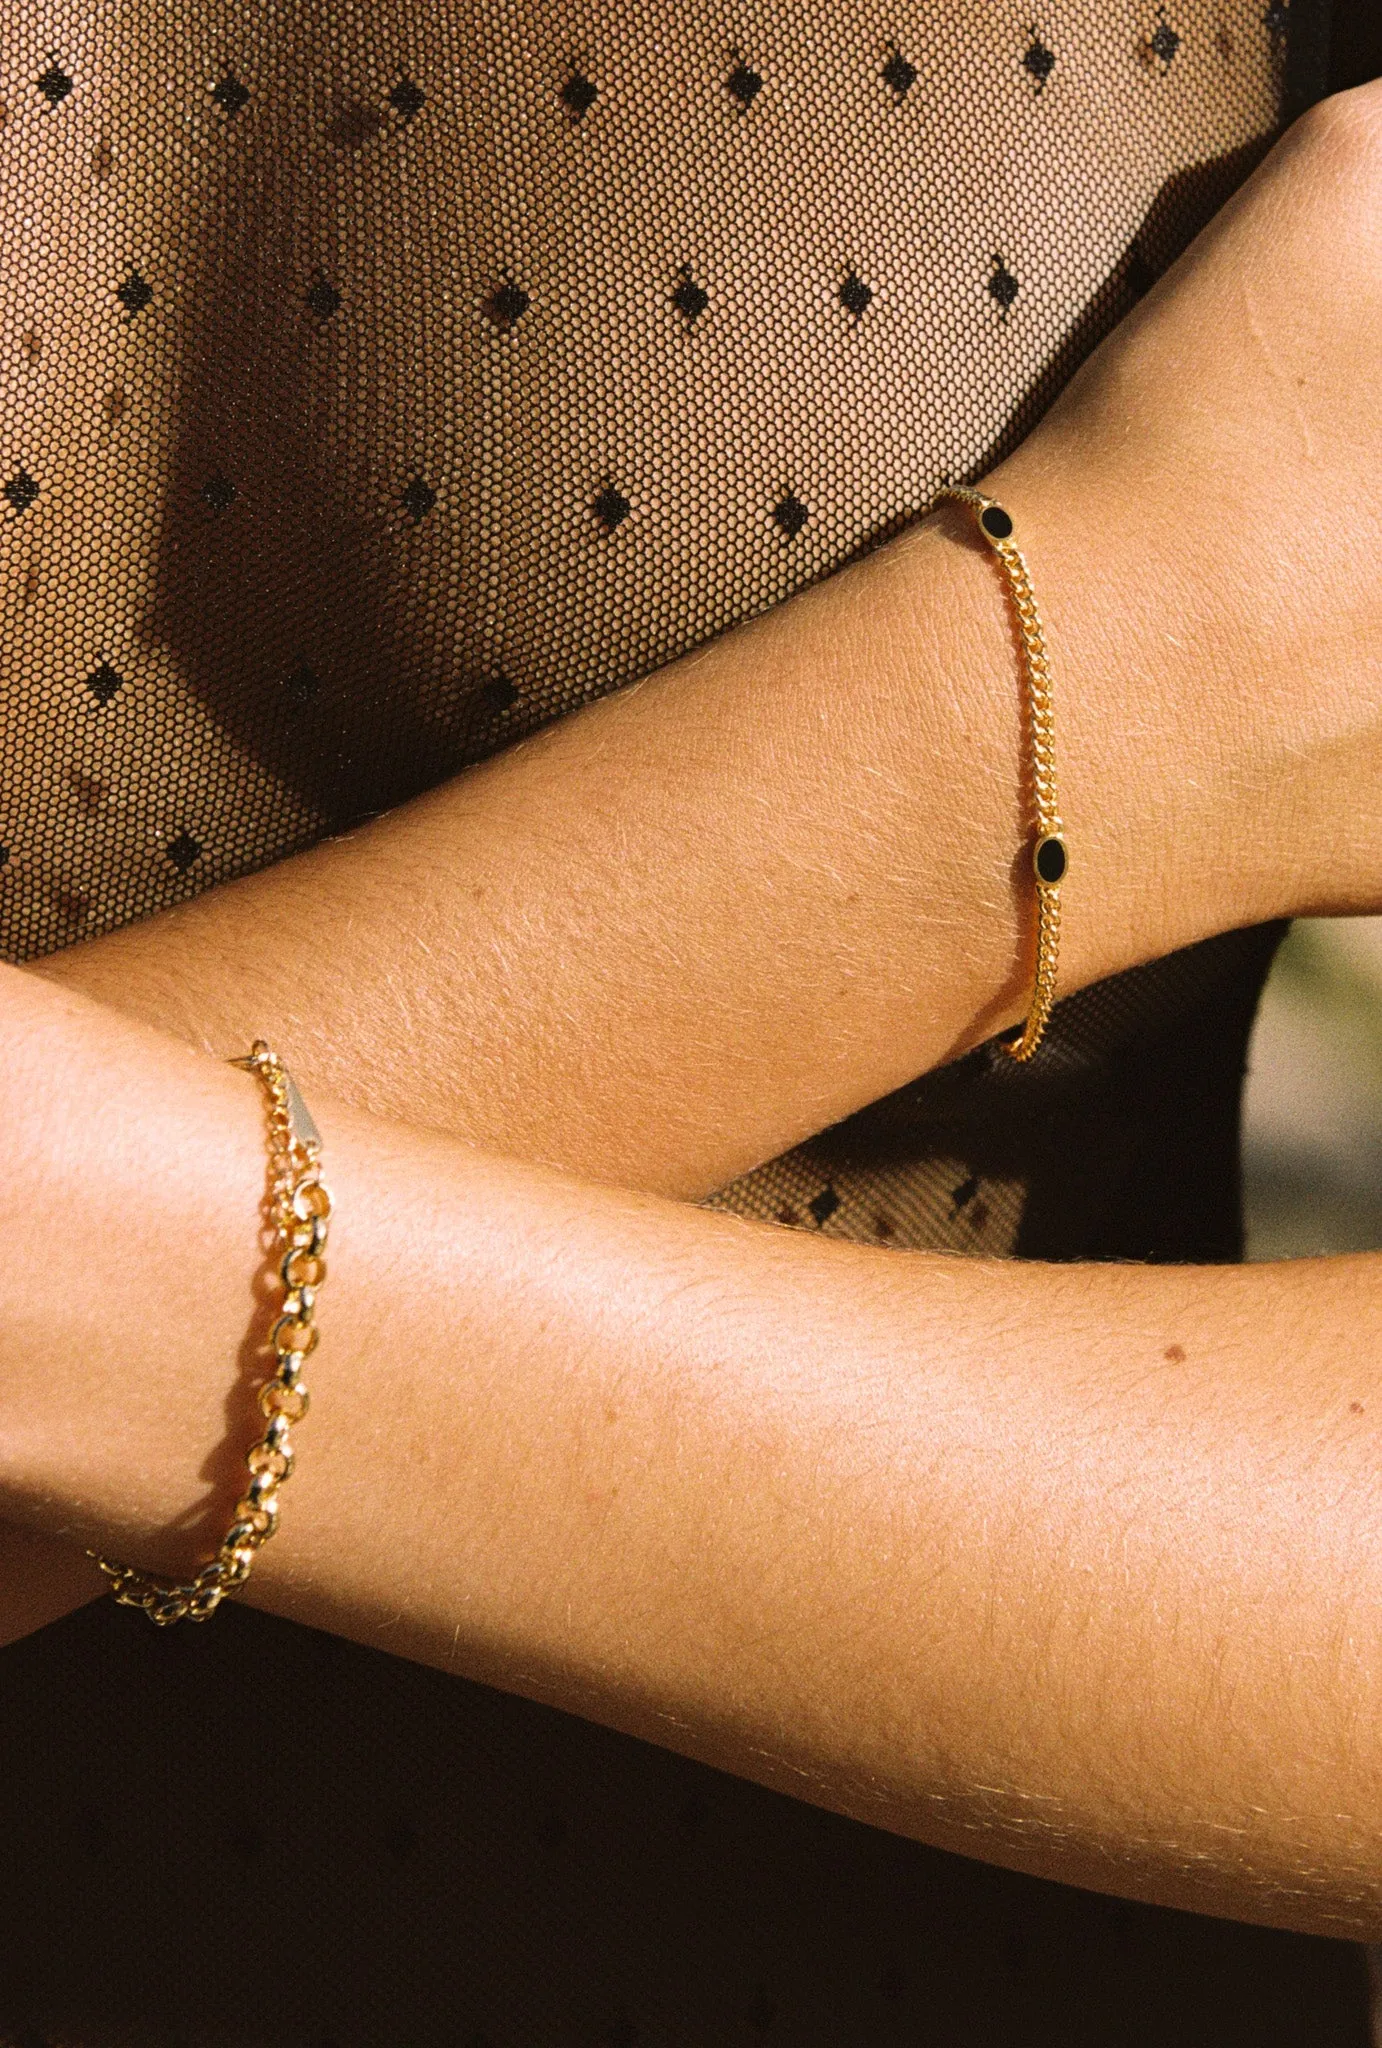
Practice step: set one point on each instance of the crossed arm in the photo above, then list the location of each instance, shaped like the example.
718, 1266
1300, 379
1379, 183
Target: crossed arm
1070, 1568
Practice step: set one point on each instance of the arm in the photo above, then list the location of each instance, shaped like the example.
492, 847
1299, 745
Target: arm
666, 939
662, 974
1076, 1569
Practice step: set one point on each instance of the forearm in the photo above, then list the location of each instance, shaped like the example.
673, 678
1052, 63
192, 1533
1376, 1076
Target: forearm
703, 919
1076, 1569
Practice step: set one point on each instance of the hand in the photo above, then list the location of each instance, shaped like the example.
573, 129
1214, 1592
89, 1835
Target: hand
1208, 534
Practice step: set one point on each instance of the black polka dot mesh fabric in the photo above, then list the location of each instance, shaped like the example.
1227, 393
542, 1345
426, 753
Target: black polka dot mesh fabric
380, 383
380, 380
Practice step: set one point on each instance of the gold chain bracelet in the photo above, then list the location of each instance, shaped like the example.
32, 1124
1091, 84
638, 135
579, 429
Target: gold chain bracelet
300, 1208
1050, 854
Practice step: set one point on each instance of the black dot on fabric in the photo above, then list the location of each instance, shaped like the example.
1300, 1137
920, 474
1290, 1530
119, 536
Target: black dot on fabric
824, 1205
21, 491
791, 515
855, 295
744, 85
219, 492
105, 683
1165, 42
303, 685
135, 293
229, 94
964, 1194
690, 298
497, 695
899, 74
609, 508
418, 500
183, 851
506, 306
354, 126
1039, 62
579, 94
323, 299
407, 99
1003, 286
4, 856
54, 83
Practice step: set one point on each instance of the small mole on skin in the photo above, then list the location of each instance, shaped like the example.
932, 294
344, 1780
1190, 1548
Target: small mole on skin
477, 893
1174, 1354
1355, 1407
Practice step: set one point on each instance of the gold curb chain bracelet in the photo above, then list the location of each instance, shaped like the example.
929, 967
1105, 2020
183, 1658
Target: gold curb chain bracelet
1050, 854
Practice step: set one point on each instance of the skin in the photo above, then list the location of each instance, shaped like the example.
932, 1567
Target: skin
1102, 1610
1081, 1577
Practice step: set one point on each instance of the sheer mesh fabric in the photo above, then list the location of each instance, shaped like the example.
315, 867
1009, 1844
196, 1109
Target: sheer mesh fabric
378, 382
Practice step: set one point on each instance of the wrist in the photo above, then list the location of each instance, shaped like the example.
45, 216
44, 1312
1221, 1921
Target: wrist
1159, 758
147, 1161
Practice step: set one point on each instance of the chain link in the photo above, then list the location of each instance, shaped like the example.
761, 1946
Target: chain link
300, 1208
1041, 734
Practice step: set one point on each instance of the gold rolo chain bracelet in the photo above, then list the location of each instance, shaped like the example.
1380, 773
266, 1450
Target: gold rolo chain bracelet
1050, 854
300, 1208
